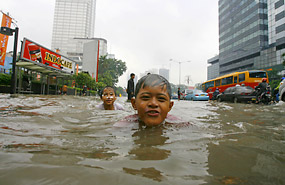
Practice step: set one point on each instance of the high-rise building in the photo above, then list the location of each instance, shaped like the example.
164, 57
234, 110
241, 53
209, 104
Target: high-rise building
164, 72
243, 32
251, 35
73, 19
92, 51
276, 11
213, 69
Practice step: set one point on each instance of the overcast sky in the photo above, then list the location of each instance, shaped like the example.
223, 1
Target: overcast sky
145, 34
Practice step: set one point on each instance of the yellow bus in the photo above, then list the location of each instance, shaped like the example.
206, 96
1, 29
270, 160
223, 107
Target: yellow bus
249, 78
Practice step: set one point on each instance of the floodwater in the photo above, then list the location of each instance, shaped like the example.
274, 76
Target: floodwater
66, 140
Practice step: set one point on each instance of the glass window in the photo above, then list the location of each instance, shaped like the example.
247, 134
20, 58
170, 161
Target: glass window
241, 77
228, 90
224, 81
227, 80
208, 85
197, 91
235, 79
259, 74
217, 82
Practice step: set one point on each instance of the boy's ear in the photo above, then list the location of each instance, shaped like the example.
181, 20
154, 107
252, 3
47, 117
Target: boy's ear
133, 101
171, 105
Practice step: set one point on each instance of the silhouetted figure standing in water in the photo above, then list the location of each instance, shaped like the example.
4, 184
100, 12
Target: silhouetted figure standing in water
131, 87
178, 93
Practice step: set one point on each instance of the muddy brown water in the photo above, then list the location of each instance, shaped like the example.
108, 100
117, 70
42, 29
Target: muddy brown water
66, 140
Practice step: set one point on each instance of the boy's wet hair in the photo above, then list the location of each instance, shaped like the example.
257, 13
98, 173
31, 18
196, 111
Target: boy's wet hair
102, 90
153, 80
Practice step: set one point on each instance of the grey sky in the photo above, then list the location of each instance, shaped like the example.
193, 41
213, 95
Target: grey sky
144, 34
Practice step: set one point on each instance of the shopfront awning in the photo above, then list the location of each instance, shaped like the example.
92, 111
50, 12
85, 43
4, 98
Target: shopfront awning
42, 68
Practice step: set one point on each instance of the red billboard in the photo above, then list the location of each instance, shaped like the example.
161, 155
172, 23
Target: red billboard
36, 53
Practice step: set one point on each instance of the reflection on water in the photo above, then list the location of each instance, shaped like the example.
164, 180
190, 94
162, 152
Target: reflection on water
147, 142
151, 173
66, 140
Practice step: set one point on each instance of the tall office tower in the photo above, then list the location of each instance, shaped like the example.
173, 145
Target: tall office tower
73, 19
243, 33
276, 16
164, 72
251, 36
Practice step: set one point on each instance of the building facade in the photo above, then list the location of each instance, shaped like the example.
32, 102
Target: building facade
164, 72
251, 35
92, 51
278, 24
73, 19
213, 69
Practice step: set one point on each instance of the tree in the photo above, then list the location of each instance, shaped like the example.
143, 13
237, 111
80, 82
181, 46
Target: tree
274, 78
110, 70
5, 79
121, 90
83, 79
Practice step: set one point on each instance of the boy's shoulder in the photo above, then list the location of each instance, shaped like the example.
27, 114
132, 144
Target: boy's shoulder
131, 119
118, 106
100, 106
127, 121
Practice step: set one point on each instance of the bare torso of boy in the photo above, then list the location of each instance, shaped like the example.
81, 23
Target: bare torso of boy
170, 119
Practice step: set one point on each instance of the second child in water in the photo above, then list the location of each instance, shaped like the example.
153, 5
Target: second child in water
108, 96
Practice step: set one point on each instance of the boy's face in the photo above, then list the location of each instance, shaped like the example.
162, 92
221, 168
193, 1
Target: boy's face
152, 104
108, 96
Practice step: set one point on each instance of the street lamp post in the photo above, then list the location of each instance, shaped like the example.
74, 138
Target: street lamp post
179, 68
9, 32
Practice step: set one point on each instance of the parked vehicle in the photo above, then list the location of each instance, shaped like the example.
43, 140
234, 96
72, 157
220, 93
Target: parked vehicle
185, 93
282, 90
196, 95
237, 94
174, 96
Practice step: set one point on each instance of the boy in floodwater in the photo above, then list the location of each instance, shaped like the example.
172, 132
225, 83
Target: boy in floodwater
152, 102
108, 96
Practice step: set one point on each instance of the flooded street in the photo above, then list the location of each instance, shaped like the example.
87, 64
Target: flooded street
67, 140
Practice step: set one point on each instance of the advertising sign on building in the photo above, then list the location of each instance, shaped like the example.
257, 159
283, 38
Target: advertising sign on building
35, 53
6, 22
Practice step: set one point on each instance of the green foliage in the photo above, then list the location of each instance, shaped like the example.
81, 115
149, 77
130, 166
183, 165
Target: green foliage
274, 78
5, 79
108, 74
120, 90
83, 79
99, 86
110, 70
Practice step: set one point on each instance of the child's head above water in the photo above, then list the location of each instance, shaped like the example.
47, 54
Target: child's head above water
152, 99
108, 96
